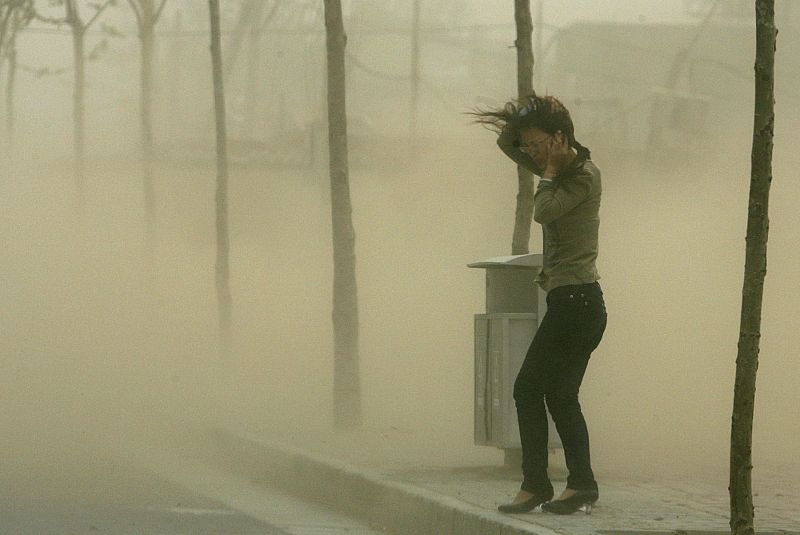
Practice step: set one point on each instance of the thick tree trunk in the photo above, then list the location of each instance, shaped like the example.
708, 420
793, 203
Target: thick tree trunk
741, 495
223, 245
524, 212
346, 382
147, 37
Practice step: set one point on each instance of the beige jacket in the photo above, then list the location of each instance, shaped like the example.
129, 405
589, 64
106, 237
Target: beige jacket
568, 208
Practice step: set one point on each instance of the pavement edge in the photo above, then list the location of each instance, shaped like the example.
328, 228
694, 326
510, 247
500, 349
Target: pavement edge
395, 506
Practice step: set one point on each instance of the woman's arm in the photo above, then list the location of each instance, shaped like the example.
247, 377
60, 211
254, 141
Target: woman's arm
550, 203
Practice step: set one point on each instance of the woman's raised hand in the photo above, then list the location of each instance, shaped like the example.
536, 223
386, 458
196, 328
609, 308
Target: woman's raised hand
559, 155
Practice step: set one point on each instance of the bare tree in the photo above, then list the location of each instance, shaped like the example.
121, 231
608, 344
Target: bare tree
755, 270
14, 16
147, 14
524, 213
223, 243
346, 381
10, 54
79, 28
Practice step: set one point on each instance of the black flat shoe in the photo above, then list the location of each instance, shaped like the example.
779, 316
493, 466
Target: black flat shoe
582, 499
523, 507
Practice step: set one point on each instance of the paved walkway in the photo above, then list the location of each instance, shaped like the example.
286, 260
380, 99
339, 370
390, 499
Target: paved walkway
626, 505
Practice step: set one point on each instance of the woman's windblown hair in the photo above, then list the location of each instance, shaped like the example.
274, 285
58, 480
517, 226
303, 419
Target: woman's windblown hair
545, 113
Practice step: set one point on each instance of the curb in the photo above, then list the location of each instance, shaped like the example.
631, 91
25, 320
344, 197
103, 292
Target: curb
397, 507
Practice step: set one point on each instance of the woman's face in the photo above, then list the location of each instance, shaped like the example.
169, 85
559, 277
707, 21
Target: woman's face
536, 143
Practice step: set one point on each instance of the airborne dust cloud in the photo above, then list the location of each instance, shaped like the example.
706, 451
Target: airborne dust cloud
102, 344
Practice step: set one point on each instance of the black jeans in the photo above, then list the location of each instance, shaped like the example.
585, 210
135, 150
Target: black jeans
552, 372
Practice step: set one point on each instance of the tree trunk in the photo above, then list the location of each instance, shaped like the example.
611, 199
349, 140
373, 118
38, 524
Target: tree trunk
223, 245
524, 212
6, 15
251, 114
755, 269
175, 68
12, 75
78, 119
147, 36
346, 382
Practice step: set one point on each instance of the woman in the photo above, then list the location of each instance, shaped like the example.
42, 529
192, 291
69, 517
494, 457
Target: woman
538, 134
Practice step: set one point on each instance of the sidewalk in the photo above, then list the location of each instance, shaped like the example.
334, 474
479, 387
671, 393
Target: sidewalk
368, 477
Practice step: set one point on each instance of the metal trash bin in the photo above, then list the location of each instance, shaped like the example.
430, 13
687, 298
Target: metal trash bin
515, 305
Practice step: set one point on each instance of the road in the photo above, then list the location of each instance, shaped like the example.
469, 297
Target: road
158, 496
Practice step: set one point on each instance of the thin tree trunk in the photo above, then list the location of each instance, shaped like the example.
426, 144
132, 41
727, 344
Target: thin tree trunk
10, 116
251, 91
346, 381
175, 66
78, 120
148, 43
524, 211
6, 11
147, 15
79, 28
414, 69
223, 245
524, 44
13, 17
741, 495
6, 14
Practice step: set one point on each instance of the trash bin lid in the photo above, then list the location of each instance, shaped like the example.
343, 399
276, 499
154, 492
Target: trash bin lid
520, 261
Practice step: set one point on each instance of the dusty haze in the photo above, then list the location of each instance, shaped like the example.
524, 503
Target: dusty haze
101, 346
